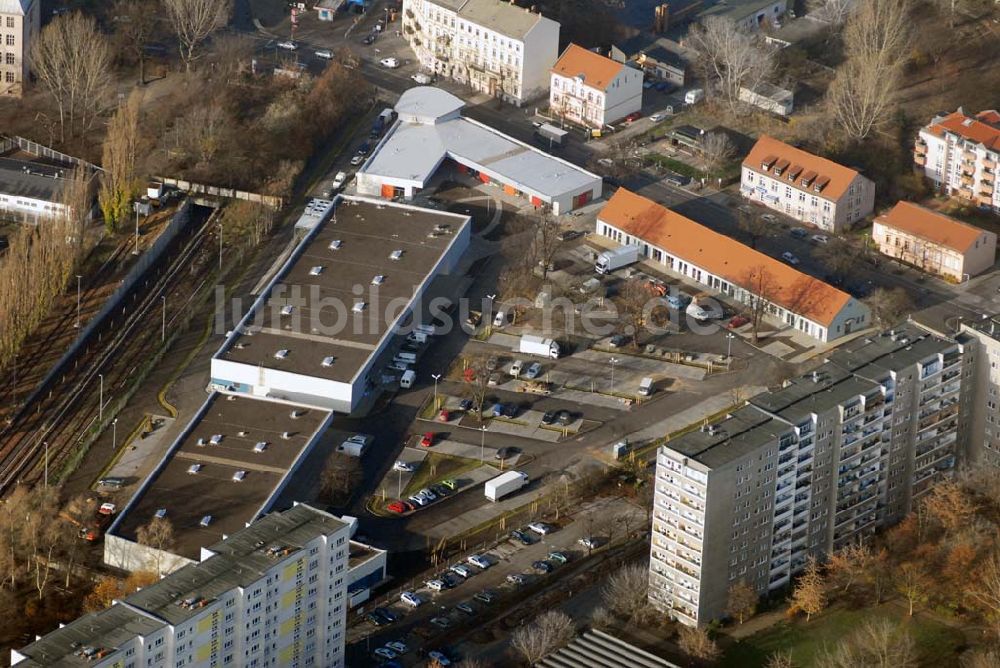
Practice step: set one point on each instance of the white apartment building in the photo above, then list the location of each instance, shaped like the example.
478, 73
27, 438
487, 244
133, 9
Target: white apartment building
984, 440
959, 154
805, 470
495, 47
805, 186
933, 242
272, 594
20, 21
593, 90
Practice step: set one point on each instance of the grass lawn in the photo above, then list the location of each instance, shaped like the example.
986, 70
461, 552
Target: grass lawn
937, 644
437, 467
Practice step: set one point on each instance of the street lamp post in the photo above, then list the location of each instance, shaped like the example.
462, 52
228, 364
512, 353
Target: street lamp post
163, 326
436, 377
114, 434
399, 483
729, 345
100, 399
220, 246
136, 251
482, 445
46, 444
78, 277
614, 361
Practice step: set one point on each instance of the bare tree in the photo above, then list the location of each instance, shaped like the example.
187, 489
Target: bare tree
135, 24
158, 534
718, 150
232, 54
834, 12
839, 258
72, 61
695, 642
546, 241
118, 182
626, 592
848, 564
780, 660
888, 305
742, 601
633, 298
477, 378
986, 658
950, 506
809, 595
912, 581
861, 96
759, 288
547, 633
194, 21
984, 591
752, 225
877, 643
339, 477
730, 57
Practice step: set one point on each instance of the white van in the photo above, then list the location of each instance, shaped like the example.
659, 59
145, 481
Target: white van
405, 357
417, 337
694, 96
501, 318
406, 382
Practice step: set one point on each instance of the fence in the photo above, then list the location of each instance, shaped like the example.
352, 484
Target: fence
8, 143
219, 191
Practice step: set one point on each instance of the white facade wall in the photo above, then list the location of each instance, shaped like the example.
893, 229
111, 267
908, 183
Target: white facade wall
857, 202
593, 107
782, 107
852, 317
515, 69
960, 168
17, 32
33, 209
935, 258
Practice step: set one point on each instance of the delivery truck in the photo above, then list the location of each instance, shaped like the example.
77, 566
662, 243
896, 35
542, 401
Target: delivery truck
536, 345
611, 260
502, 485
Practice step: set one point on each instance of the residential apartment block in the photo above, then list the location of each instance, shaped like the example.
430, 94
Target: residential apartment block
959, 153
807, 469
495, 47
20, 21
593, 90
272, 594
805, 186
722, 264
984, 441
936, 243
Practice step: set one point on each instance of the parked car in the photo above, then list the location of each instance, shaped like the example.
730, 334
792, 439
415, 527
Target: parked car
533, 371
497, 410
369, 39
378, 620
485, 596
558, 557
396, 507
402, 466
288, 45
397, 647
428, 494
515, 368
441, 622
450, 484
658, 116
440, 657
663, 86
769, 218
617, 341
790, 258
521, 537
504, 453
421, 78
325, 54
440, 490
479, 561
385, 653
418, 500
494, 379
738, 321
411, 599
541, 528
466, 608
516, 579
435, 585
588, 542
461, 570
820, 238
797, 232
634, 116
427, 440
549, 417
357, 159
387, 613
389, 63
339, 180
492, 362
542, 566
569, 235
564, 418
465, 405
444, 415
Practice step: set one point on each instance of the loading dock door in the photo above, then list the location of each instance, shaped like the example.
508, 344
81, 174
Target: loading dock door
484, 177
581, 199
537, 202
388, 191
510, 190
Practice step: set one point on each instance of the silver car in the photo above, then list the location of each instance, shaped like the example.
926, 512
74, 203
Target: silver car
533, 371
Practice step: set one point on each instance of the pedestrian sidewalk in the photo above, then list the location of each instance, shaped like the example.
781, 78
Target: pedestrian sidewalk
692, 415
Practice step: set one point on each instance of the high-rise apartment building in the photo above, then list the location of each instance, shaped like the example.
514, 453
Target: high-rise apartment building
959, 153
806, 469
20, 21
272, 594
984, 435
493, 46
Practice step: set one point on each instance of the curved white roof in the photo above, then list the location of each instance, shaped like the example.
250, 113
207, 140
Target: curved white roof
427, 105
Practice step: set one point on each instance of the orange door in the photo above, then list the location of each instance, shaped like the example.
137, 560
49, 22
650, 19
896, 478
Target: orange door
510, 190
388, 191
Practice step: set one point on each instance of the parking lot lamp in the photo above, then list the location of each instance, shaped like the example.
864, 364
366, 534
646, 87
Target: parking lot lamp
614, 361
482, 444
78, 277
436, 377
100, 399
729, 345
114, 434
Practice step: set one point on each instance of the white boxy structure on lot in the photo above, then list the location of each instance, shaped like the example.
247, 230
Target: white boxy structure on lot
495, 47
728, 267
323, 330
769, 98
431, 134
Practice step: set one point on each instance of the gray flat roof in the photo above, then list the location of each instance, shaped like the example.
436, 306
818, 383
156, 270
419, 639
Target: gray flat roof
735, 9
743, 431
497, 15
242, 422
988, 325
240, 560
596, 649
414, 151
23, 178
369, 232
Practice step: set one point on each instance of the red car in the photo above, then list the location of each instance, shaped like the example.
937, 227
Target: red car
396, 507
444, 415
738, 321
428, 440
634, 116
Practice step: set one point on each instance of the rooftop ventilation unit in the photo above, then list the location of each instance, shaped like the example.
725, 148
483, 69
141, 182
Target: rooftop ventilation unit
296, 414
286, 435
242, 433
287, 309
396, 255
335, 244
200, 443
239, 475
281, 354
316, 271
260, 447
193, 469
160, 513
378, 280
328, 361
205, 521
359, 307
216, 439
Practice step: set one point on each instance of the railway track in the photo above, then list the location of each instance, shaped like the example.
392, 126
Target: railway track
49, 432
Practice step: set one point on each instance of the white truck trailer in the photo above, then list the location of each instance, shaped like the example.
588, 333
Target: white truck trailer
610, 260
536, 345
504, 484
